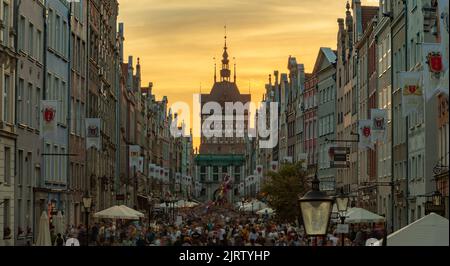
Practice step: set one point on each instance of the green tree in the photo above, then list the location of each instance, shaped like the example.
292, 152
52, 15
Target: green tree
283, 189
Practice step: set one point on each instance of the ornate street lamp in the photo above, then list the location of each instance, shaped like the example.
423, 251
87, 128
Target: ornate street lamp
342, 206
342, 201
437, 198
87, 202
316, 209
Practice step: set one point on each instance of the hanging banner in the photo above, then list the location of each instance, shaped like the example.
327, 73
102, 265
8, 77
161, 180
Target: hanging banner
140, 167
379, 124
161, 173
93, 133
134, 153
166, 174
49, 118
434, 69
274, 166
443, 16
365, 134
259, 170
156, 173
412, 92
151, 170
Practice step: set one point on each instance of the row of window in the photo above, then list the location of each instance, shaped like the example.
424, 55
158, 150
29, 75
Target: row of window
24, 168
58, 33
56, 165
7, 98
416, 167
220, 171
77, 117
384, 55
384, 160
327, 94
30, 39
326, 125
77, 174
28, 102
310, 130
6, 20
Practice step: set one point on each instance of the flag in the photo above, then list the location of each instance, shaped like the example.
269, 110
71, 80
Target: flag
434, 68
156, 173
259, 170
379, 123
134, 152
93, 138
443, 16
151, 170
412, 92
274, 166
166, 175
49, 118
365, 134
140, 167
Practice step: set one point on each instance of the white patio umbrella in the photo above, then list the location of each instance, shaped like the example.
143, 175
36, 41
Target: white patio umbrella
59, 223
430, 230
132, 211
116, 212
72, 242
360, 215
270, 211
44, 238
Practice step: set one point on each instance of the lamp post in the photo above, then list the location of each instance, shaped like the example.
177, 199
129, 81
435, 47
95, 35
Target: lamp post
87, 202
342, 205
316, 209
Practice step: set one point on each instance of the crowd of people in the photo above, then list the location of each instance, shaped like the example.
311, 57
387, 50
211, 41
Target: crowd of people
208, 226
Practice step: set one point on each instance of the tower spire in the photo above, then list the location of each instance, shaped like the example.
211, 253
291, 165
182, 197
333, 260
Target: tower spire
225, 72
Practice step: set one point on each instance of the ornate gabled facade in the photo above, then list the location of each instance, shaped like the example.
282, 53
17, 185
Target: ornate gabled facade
221, 155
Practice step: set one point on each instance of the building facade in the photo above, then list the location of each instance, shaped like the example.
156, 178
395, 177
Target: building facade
325, 69
51, 193
381, 77
29, 89
78, 80
220, 155
8, 135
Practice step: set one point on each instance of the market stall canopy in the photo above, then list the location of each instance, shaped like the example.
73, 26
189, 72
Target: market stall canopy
185, 204
431, 230
116, 212
59, 223
254, 205
44, 238
130, 210
72, 242
269, 211
360, 215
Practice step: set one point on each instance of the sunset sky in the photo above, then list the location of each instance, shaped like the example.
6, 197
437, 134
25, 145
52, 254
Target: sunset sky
176, 40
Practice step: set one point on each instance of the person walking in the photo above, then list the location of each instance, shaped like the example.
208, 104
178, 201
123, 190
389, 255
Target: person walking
59, 242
